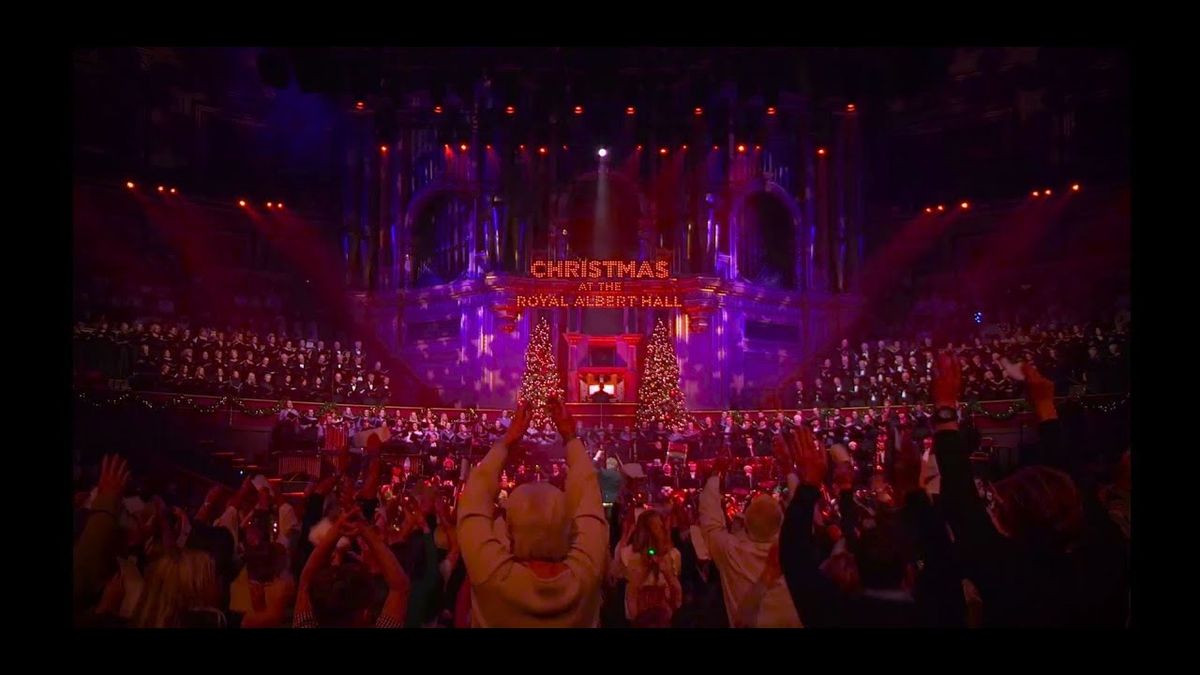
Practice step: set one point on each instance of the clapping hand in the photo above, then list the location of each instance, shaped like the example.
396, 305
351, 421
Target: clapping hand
114, 475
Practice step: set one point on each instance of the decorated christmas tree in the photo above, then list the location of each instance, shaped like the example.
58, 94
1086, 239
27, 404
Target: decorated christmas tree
540, 381
659, 397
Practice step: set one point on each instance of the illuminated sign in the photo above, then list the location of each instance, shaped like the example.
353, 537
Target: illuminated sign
602, 284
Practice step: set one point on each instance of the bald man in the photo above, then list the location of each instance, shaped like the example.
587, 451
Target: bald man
549, 571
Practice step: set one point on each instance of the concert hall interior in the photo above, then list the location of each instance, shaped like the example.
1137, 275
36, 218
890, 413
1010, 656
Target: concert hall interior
335, 308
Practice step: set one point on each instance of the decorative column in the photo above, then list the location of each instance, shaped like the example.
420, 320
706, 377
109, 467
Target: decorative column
576, 349
627, 352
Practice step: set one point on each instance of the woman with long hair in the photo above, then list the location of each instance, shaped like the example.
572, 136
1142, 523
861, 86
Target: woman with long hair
181, 590
650, 564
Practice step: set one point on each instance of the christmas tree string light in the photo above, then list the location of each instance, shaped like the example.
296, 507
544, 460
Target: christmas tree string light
659, 397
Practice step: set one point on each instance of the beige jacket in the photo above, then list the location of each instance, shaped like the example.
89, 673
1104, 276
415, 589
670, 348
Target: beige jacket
506, 592
741, 563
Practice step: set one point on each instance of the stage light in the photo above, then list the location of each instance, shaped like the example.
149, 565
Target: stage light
522, 147
698, 111
578, 110
359, 105
1036, 193
1075, 187
683, 147
639, 147
129, 184
383, 148
510, 110
279, 205
716, 147
741, 148
241, 202
437, 110
662, 151
161, 188
564, 146
965, 205
757, 148
1047, 192
542, 150
172, 190
821, 151
941, 208
463, 147
849, 107
928, 209
771, 110
630, 110
602, 152
270, 204
488, 146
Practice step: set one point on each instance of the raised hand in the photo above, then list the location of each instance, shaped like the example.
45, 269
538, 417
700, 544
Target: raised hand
1041, 392
520, 423
114, 475
947, 381
562, 419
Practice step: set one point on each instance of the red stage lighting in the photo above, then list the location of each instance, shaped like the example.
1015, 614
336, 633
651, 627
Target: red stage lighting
662, 151
437, 110
1036, 193
1047, 192
965, 205
741, 148
542, 150
488, 146
279, 205
578, 110
928, 209
129, 184
771, 110
510, 110
820, 151
241, 202
161, 188
172, 190
463, 147
757, 148
639, 147
630, 110
941, 208
1075, 187
849, 107
270, 204
359, 105
698, 111
716, 147
564, 146
521, 147
383, 148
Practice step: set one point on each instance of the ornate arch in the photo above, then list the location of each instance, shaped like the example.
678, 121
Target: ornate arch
737, 217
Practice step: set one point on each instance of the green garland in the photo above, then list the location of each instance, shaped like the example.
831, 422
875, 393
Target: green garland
183, 402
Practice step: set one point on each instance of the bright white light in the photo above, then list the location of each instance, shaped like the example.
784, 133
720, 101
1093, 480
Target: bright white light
603, 152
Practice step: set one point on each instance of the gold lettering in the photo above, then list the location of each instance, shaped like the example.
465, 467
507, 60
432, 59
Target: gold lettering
554, 268
594, 269
662, 269
626, 269
533, 269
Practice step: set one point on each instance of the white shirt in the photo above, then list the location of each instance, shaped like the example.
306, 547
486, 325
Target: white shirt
930, 476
